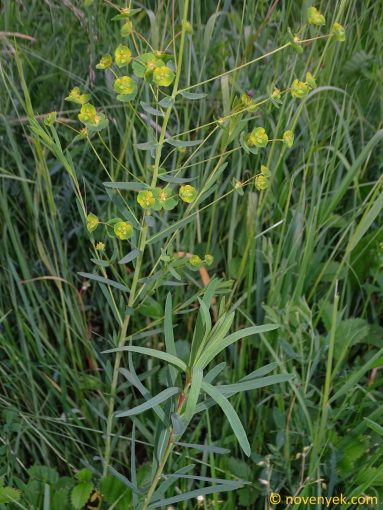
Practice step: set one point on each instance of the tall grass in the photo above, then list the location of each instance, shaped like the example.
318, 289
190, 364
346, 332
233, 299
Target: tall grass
304, 254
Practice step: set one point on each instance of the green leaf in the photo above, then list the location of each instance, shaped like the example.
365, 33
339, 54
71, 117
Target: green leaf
213, 489
105, 281
149, 404
193, 95
173, 360
130, 257
85, 475
252, 384
231, 415
374, 426
80, 494
204, 448
194, 392
169, 336
151, 110
127, 186
183, 143
210, 353
132, 377
115, 492
146, 146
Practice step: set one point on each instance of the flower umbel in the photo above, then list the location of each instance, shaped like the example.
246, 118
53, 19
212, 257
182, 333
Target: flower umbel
314, 17
338, 32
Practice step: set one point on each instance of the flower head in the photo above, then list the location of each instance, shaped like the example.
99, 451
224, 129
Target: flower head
288, 138
276, 93
257, 138
125, 85
163, 76
92, 222
187, 193
209, 259
146, 199
265, 171
338, 32
106, 61
310, 80
299, 89
261, 181
123, 230
75, 96
122, 55
314, 17
100, 246
164, 199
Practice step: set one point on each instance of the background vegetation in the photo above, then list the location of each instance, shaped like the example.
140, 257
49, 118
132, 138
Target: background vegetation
315, 233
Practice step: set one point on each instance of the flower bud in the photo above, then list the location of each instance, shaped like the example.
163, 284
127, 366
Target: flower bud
265, 171
187, 193
288, 138
338, 32
261, 181
314, 17
100, 246
310, 80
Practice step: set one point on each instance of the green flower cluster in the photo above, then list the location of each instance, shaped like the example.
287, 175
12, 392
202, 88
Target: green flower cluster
164, 198
195, 261
300, 89
314, 17
117, 227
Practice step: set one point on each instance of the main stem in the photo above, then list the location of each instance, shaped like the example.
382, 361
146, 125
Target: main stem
137, 271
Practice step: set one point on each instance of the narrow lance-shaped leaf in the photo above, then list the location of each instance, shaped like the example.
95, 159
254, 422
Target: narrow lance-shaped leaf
151, 352
194, 392
213, 350
230, 414
158, 399
169, 337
